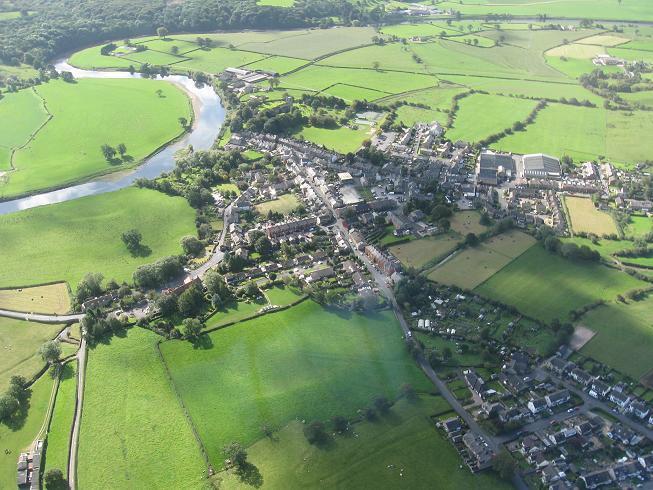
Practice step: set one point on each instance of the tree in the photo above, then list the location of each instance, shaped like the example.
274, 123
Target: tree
167, 304
183, 122
446, 353
340, 424
174, 49
190, 301
382, 404
191, 328
162, 32
109, 152
191, 245
132, 240
50, 351
274, 81
122, 149
471, 239
214, 283
235, 453
8, 406
54, 480
408, 391
263, 246
504, 465
89, 286
376, 65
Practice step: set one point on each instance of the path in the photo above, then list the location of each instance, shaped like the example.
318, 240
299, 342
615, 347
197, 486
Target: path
37, 317
74, 438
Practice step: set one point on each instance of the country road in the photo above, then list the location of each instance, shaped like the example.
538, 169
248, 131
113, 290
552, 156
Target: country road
36, 317
74, 438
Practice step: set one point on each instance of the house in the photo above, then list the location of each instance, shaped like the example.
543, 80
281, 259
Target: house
596, 479
530, 444
453, 427
558, 365
349, 266
537, 405
510, 415
562, 436
514, 383
624, 435
541, 166
551, 474
646, 462
584, 428
357, 239
626, 470
557, 398
599, 389
582, 377
620, 399
320, 274
492, 409
639, 409
479, 451
475, 382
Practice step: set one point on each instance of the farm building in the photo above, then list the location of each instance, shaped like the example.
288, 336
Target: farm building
541, 166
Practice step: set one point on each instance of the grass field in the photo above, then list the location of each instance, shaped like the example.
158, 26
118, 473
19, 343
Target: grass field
342, 139
98, 112
282, 296
305, 362
53, 298
472, 266
639, 226
417, 253
19, 344
546, 286
586, 218
56, 455
18, 437
624, 336
463, 222
81, 236
131, 414
400, 450
284, 204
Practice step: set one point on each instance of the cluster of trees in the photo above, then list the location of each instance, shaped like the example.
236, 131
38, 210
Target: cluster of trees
567, 250
159, 273
109, 152
15, 399
89, 287
98, 325
132, 240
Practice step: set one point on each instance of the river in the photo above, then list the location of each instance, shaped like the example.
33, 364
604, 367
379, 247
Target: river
209, 117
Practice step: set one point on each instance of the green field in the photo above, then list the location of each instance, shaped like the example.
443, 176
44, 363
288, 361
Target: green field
586, 218
342, 139
624, 336
284, 204
282, 296
19, 343
400, 450
463, 222
418, 253
81, 236
546, 286
56, 455
305, 362
131, 414
639, 226
97, 112
52, 298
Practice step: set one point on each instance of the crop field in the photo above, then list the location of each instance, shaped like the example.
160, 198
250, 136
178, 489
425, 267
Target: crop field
482, 115
62, 420
284, 204
604, 40
624, 336
558, 287
305, 362
472, 266
81, 236
405, 439
418, 253
19, 343
576, 50
130, 414
586, 218
52, 298
99, 112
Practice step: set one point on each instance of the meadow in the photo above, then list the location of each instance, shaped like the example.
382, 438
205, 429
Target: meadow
418, 253
305, 362
586, 218
399, 450
558, 287
131, 414
284, 204
342, 139
51, 298
624, 336
96, 112
81, 236
639, 226
463, 222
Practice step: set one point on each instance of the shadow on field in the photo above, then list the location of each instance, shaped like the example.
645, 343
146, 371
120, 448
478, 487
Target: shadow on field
140, 251
250, 475
203, 342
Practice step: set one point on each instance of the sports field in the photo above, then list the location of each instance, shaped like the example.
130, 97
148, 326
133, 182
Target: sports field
386, 454
305, 362
586, 218
546, 286
131, 414
19, 344
474, 265
417, 253
284, 204
97, 112
624, 336
81, 236
52, 298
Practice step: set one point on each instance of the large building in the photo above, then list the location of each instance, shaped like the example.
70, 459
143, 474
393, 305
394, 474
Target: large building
541, 166
493, 166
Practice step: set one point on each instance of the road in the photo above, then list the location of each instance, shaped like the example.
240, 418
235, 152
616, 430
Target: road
35, 317
74, 438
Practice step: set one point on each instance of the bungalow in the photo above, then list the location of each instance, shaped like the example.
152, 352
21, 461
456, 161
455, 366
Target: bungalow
639, 409
624, 435
620, 399
537, 405
596, 479
599, 389
646, 462
557, 398
582, 377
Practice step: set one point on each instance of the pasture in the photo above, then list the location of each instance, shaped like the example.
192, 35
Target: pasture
418, 253
282, 296
639, 226
342, 139
585, 218
130, 414
81, 236
284, 204
463, 222
305, 362
404, 439
51, 298
546, 286
624, 336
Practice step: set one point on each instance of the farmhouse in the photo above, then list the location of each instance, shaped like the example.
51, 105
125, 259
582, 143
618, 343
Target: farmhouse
29, 468
541, 166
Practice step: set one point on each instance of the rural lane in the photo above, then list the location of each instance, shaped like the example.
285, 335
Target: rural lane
36, 317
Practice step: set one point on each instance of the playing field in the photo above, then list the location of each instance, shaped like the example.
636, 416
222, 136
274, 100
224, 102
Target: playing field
19, 345
131, 414
284, 204
97, 112
474, 265
417, 253
624, 336
400, 450
63, 242
586, 218
546, 286
304, 362
342, 139
52, 298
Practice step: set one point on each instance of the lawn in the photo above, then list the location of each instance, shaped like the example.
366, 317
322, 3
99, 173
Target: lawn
400, 450
624, 336
20, 342
409, 115
53, 298
546, 286
284, 204
474, 265
586, 218
56, 455
418, 253
81, 236
235, 312
16, 438
305, 362
282, 296
131, 414
97, 112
